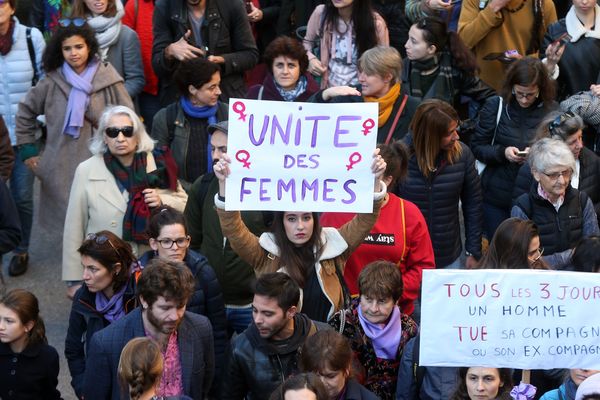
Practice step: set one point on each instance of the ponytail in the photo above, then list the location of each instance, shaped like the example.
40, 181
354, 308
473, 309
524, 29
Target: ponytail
463, 57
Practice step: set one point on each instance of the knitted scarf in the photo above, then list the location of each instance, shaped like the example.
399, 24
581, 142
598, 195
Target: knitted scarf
386, 103
79, 97
135, 179
208, 112
107, 28
387, 339
111, 309
292, 94
442, 86
6, 41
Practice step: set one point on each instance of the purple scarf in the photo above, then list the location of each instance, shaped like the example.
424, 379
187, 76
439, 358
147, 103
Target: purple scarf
79, 97
387, 339
112, 309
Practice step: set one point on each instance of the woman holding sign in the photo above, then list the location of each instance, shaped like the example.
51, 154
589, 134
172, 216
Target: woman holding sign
313, 256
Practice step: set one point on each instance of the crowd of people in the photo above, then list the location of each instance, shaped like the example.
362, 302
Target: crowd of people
487, 158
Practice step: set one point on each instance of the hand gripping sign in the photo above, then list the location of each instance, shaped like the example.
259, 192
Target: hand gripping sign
301, 156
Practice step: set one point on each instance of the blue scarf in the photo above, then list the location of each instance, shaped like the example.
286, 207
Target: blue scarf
208, 112
79, 97
387, 339
112, 309
292, 94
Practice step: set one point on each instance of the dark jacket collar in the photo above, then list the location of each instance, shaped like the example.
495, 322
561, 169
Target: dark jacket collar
302, 326
31, 351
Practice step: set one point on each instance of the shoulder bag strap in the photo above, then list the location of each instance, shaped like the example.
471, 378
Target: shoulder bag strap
396, 118
403, 231
36, 75
498, 115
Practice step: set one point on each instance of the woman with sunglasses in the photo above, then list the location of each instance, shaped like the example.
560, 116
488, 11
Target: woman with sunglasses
76, 90
169, 240
506, 127
117, 187
563, 214
567, 127
118, 44
107, 295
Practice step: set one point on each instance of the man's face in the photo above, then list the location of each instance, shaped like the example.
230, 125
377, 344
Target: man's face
270, 319
164, 315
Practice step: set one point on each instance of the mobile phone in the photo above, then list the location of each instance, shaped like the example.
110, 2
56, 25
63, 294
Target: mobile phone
522, 153
563, 39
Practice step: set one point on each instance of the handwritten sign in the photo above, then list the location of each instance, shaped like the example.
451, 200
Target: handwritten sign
510, 318
301, 156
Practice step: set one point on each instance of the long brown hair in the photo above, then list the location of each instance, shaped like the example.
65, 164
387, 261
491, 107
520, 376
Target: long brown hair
428, 126
26, 306
297, 260
529, 71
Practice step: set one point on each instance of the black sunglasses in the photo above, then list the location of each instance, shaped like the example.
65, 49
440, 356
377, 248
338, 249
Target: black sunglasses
113, 131
101, 239
64, 22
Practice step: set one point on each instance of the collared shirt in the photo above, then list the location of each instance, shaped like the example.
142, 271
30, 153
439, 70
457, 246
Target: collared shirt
544, 195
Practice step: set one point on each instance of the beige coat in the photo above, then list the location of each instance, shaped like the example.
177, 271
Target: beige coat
62, 154
96, 204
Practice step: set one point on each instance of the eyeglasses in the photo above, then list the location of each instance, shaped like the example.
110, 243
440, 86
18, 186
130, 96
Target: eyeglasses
526, 96
64, 22
182, 242
113, 131
101, 239
566, 174
536, 254
558, 121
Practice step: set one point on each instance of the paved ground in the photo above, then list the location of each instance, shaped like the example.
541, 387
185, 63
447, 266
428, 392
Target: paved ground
43, 279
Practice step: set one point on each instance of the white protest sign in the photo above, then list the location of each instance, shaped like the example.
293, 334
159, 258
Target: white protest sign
301, 156
528, 319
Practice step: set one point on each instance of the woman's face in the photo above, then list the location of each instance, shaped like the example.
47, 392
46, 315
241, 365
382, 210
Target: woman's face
174, 235
122, 145
6, 13
526, 95
534, 251
340, 4
298, 226
286, 72
575, 143
76, 52
483, 383
554, 180
96, 7
374, 85
376, 310
416, 46
300, 394
579, 375
11, 328
208, 94
334, 381
450, 139
96, 276
584, 6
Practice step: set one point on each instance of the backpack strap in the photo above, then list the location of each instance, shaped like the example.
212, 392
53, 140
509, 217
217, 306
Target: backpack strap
396, 118
36, 73
260, 92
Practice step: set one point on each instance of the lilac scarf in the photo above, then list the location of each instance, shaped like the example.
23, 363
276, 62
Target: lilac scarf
112, 309
79, 97
387, 339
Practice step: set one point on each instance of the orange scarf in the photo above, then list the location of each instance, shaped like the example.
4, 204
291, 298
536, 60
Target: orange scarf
386, 103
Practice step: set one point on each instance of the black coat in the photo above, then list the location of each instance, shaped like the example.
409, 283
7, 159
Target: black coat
10, 226
226, 32
29, 375
84, 321
438, 197
516, 128
589, 174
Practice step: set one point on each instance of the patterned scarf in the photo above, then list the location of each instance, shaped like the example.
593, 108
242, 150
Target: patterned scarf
135, 179
442, 86
79, 97
6, 41
107, 28
291, 95
386, 103
208, 112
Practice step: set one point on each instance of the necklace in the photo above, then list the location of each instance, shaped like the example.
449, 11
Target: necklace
514, 10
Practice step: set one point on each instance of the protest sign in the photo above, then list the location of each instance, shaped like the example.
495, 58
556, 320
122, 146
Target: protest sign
301, 156
528, 319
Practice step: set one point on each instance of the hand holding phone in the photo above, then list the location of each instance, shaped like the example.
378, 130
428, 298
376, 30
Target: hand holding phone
522, 153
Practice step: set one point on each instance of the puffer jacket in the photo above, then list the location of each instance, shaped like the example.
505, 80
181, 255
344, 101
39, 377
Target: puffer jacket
438, 196
16, 73
589, 171
516, 128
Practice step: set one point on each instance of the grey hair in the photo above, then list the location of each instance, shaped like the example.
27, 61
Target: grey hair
547, 153
381, 60
552, 128
145, 142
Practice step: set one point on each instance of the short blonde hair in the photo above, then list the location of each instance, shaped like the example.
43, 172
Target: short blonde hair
381, 60
145, 142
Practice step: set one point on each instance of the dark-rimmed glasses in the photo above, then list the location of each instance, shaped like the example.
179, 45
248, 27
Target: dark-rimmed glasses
101, 239
526, 96
181, 242
78, 22
113, 131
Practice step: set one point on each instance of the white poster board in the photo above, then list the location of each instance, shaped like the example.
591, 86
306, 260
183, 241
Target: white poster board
526, 319
301, 156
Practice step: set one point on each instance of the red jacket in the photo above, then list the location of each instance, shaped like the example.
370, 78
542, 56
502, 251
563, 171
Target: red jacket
389, 241
142, 25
